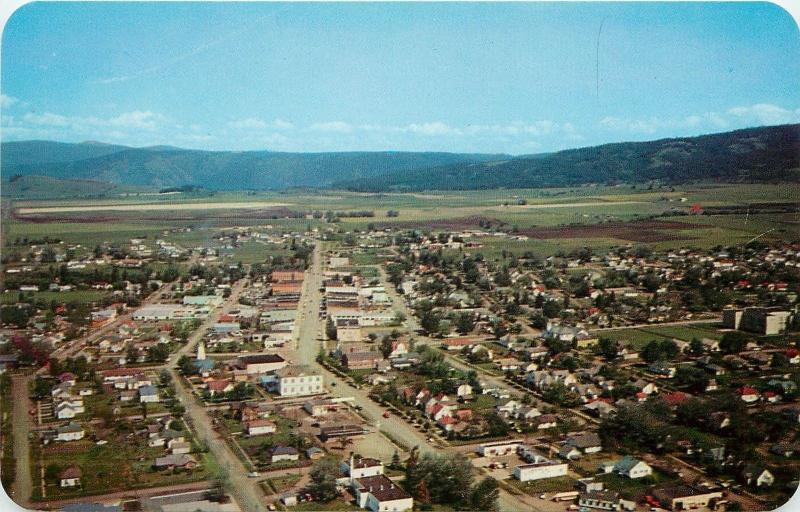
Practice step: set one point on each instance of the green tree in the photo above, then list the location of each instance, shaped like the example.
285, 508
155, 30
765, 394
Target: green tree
323, 479
484, 496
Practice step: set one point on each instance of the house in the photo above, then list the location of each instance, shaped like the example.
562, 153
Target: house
334, 432
216, 386
297, 381
757, 476
628, 466
453, 344
464, 390
361, 360
148, 394
538, 467
748, 394
587, 442
569, 452
70, 432
281, 453
180, 447
69, 409
182, 461
546, 421
360, 467
260, 427
380, 494
260, 363
684, 497
315, 453
604, 500
783, 449
498, 448
71, 476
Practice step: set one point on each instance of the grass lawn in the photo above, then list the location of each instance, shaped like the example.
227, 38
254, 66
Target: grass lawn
636, 338
78, 296
557, 484
313, 506
279, 484
632, 487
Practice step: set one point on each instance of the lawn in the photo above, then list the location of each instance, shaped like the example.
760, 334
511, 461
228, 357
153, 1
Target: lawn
76, 296
636, 338
557, 484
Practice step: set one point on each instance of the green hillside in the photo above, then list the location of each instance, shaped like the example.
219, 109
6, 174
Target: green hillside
767, 154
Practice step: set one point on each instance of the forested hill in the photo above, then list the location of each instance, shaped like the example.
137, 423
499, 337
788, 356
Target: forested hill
756, 154
764, 154
215, 170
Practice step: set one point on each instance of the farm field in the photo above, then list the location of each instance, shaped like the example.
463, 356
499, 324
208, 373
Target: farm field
546, 220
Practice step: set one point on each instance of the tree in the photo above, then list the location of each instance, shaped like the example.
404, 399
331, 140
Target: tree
607, 348
484, 495
696, 347
323, 479
186, 366
694, 379
733, 342
395, 460
447, 477
464, 322
551, 308
386, 346
330, 329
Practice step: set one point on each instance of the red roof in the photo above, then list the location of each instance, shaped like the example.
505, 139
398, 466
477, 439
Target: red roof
218, 385
122, 372
675, 398
747, 390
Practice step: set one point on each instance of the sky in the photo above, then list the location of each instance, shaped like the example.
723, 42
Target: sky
513, 78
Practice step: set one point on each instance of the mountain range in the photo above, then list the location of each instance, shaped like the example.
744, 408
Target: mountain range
750, 155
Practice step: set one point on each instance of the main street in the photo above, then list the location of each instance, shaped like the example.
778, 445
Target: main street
245, 490
309, 328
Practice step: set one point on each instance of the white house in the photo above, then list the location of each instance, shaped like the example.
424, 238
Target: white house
379, 494
628, 466
360, 467
70, 432
70, 477
260, 427
148, 394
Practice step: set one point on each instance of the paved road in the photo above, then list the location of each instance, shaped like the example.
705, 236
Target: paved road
395, 427
245, 490
23, 483
309, 324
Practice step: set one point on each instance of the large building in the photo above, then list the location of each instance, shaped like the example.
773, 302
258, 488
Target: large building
538, 466
295, 381
254, 364
380, 494
684, 497
203, 300
759, 320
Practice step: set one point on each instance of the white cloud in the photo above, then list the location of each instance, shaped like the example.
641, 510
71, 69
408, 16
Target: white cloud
765, 113
254, 123
434, 128
332, 126
46, 119
753, 115
143, 120
251, 123
6, 101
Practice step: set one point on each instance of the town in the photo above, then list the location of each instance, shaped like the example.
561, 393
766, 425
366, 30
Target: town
390, 369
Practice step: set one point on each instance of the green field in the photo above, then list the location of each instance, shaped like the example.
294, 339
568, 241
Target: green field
437, 211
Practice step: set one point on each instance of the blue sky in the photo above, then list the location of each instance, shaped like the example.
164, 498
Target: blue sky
514, 78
